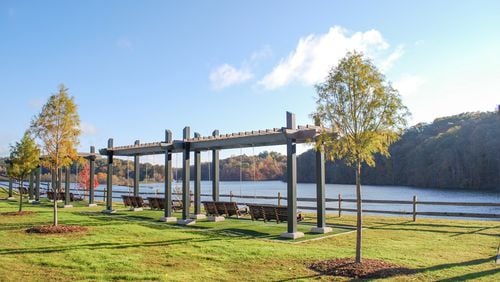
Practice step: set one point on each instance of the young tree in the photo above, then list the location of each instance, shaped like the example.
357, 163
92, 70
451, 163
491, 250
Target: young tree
366, 115
57, 127
24, 158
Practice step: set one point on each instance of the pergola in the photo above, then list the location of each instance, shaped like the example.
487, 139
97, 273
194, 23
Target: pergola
289, 136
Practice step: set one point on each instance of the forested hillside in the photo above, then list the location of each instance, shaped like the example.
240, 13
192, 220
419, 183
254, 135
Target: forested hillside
461, 151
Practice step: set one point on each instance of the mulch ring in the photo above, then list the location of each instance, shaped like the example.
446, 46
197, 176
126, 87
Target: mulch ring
368, 268
16, 213
59, 229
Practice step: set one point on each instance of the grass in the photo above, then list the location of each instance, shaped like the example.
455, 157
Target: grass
135, 246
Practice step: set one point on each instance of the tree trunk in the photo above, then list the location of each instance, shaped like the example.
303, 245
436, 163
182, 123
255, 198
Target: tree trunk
359, 223
21, 195
55, 188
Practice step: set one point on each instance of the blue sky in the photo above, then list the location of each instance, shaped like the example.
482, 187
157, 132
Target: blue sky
139, 67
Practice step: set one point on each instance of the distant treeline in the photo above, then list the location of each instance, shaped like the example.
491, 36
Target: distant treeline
461, 151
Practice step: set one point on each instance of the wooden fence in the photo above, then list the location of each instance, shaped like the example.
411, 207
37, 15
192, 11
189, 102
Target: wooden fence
413, 204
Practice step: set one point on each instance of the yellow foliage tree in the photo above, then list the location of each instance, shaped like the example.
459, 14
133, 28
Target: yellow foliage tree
57, 126
366, 115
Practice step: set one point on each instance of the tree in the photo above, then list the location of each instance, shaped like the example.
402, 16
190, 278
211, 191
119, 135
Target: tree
57, 127
366, 115
84, 178
24, 158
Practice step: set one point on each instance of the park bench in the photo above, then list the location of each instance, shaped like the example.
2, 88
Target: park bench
156, 203
270, 212
222, 208
134, 202
61, 196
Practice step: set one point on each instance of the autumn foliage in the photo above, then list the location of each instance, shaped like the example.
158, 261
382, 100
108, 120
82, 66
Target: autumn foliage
84, 178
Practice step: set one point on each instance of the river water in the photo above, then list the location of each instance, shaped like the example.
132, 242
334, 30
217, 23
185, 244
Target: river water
308, 190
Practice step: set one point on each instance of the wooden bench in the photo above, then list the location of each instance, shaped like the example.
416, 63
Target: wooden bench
133, 201
61, 196
156, 203
270, 212
222, 208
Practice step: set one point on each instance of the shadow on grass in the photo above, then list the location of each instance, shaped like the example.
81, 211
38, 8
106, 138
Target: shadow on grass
95, 246
416, 227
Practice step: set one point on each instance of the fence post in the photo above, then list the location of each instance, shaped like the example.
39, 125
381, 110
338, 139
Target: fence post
279, 199
230, 196
340, 205
414, 208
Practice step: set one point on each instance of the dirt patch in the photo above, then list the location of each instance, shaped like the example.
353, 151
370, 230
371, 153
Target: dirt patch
17, 213
368, 268
51, 229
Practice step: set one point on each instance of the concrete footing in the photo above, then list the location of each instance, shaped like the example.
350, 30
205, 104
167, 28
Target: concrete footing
169, 219
197, 216
321, 230
92, 205
68, 206
11, 198
186, 221
135, 209
109, 211
294, 235
216, 218
31, 201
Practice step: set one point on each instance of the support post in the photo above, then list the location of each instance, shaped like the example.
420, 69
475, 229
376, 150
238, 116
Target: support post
11, 197
197, 184
215, 171
92, 176
340, 205
59, 184
414, 208
136, 171
109, 182
186, 199
53, 184
67, 199
37, 184
31, 187
291, 168
320, 193
279, 199
168, 182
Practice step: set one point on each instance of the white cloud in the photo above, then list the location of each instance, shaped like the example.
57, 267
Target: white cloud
227, 75
387, 63
88, 129
124, 43
314, 55
36, 103
408, 84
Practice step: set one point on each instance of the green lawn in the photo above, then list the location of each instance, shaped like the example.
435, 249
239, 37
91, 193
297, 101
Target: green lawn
135, 246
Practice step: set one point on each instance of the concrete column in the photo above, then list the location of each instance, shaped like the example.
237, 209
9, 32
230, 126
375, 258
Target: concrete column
59, 180
197, 184
215, 171
291, 168
186, 199
168, 182
320, 193
67, 200
31, 187
38, 174
10, 189
136, 171
92, 176
109, 182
